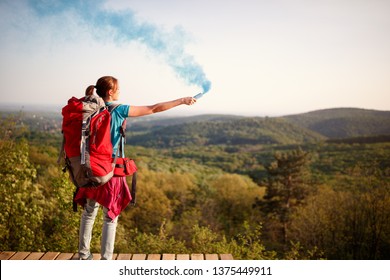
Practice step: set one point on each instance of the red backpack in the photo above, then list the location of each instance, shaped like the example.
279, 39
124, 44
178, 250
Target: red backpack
87, 145
87, 141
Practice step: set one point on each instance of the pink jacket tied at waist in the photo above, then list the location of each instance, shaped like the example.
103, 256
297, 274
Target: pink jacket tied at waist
114, 195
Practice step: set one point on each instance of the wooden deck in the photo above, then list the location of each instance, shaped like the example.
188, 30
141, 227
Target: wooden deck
8, 255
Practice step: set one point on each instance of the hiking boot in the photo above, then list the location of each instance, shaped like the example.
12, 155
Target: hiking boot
90, 257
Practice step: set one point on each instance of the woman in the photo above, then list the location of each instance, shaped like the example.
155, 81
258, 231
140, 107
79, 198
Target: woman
114, 196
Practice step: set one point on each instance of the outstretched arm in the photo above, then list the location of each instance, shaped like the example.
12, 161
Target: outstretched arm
137, 111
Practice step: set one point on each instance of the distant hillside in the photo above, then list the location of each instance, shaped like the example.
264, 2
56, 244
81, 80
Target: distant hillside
162, 131
231, 131
154, 122
344, 122
236, 130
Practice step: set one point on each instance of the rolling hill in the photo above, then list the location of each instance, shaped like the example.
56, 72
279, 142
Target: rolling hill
162, 131
314, 126
344, 122
236, 131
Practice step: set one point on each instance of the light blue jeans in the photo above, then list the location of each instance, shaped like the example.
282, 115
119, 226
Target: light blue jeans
108, 232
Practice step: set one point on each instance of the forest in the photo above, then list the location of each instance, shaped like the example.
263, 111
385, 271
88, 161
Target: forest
307, 186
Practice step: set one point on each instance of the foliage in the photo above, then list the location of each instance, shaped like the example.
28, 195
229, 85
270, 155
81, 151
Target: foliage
201, 195
230, 202
350, 223
149, 243
246, 131
61, 223
287, 188
21, 199
298, 252
249, 244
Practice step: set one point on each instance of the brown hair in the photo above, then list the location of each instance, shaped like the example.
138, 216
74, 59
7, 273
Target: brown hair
103, 85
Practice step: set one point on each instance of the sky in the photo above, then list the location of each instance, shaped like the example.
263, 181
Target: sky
252, 57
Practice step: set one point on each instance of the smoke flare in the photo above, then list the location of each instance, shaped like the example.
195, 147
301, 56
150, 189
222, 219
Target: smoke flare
122, 27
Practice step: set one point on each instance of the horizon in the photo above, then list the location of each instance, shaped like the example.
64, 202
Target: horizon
51, 108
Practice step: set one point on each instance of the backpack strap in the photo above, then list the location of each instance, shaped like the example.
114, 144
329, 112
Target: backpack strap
122, 140
133, 188
112, 107
84, 134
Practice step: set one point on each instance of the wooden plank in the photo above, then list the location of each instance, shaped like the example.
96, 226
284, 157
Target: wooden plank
154, 257
226, 257
183, 257
75, 257
50, 256
6, 255
211, 257
65, 256
9, 255
124, 257
35, 256
168, 257
138, 257
197, 257
20, 256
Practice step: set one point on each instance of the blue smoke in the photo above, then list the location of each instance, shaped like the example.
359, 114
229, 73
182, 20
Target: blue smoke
122, 27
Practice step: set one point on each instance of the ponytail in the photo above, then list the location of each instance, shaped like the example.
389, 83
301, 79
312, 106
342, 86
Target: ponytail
103, 85
89, 90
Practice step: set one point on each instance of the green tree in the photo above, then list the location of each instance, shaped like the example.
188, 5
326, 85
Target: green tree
21, 199
349, 221
320, 222
59, 215
249, 245
232, 201
286, 188
152, 208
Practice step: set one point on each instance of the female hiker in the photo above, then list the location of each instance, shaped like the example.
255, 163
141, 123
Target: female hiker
114, 196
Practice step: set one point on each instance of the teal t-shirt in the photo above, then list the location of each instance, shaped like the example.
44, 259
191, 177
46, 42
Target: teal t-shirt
118, 115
